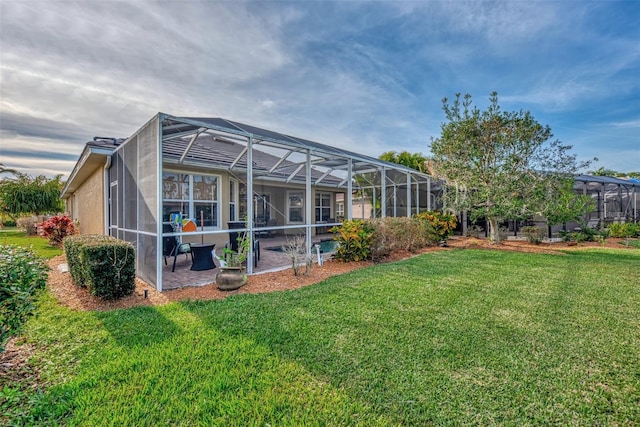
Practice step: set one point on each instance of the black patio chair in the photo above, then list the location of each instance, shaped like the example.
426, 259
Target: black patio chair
171, 246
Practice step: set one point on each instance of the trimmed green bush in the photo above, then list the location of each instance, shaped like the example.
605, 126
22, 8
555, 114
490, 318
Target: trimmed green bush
72, 246
104, 265
111, 269
22, 275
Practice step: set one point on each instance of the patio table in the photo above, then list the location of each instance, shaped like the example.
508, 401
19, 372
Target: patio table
202, 257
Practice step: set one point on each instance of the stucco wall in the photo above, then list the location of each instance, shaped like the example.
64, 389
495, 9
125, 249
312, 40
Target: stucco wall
88, 204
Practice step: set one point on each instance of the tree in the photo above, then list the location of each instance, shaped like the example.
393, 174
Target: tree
602, 171
4, 169
564, 205
27, 195
415, 161
499, 165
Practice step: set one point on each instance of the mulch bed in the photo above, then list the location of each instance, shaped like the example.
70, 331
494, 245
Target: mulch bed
79, 299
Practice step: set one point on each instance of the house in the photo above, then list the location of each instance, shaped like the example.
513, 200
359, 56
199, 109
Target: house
217, 173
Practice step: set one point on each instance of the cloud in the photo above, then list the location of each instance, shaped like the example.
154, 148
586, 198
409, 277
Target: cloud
363, 76
634, 124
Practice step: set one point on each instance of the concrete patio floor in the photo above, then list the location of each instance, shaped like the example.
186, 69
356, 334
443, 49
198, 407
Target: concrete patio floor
270, 260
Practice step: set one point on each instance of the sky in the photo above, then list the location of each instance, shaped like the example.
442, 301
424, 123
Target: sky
365, 76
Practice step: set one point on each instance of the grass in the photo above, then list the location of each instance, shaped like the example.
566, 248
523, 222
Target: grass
453, 338
631, 242
13, 236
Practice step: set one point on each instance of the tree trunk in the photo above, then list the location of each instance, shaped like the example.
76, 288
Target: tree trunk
494, 232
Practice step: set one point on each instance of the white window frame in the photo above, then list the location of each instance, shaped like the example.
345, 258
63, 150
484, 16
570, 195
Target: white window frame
191, 202
302, 198
322, 207
259, 197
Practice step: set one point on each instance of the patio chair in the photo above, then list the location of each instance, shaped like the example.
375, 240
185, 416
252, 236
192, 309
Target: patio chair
171, 246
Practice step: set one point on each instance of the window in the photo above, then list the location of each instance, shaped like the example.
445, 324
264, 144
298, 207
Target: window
295, 206
339, 205
233, 200
242, 202
323, 207
262, 208
191, 196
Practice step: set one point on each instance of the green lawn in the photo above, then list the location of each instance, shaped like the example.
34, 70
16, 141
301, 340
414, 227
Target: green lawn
457, 337
631, 242
40, 245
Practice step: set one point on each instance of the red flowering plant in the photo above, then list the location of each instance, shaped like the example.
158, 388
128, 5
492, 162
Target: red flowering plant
56, 229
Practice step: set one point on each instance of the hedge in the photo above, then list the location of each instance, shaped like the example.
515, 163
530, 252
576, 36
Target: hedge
104, 265
22, 275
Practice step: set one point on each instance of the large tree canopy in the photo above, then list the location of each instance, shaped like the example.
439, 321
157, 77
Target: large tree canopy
27, 195
500, 165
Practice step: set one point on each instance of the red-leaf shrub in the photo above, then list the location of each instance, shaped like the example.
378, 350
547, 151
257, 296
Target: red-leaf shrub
57, 228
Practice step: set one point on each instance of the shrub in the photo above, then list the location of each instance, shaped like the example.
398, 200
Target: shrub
408, 234
28, 225
375, 239
354, 240
584, 235
533, 234
56, 229
624, 230
443, 224
22, 274
110, 269
72, 248
296, 250
103, 264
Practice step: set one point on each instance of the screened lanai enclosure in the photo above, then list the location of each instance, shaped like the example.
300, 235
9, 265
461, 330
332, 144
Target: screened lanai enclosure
195, 179
616, 200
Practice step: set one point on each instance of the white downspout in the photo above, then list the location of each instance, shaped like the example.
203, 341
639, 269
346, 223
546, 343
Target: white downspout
106, 190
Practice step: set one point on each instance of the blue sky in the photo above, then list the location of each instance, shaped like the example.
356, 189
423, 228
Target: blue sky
365, 76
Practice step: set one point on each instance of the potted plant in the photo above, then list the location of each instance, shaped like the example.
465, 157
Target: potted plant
232, 273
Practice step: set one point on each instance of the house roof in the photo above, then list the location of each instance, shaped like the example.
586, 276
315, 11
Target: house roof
94, 155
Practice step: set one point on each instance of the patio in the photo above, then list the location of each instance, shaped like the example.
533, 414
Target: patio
270, 260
